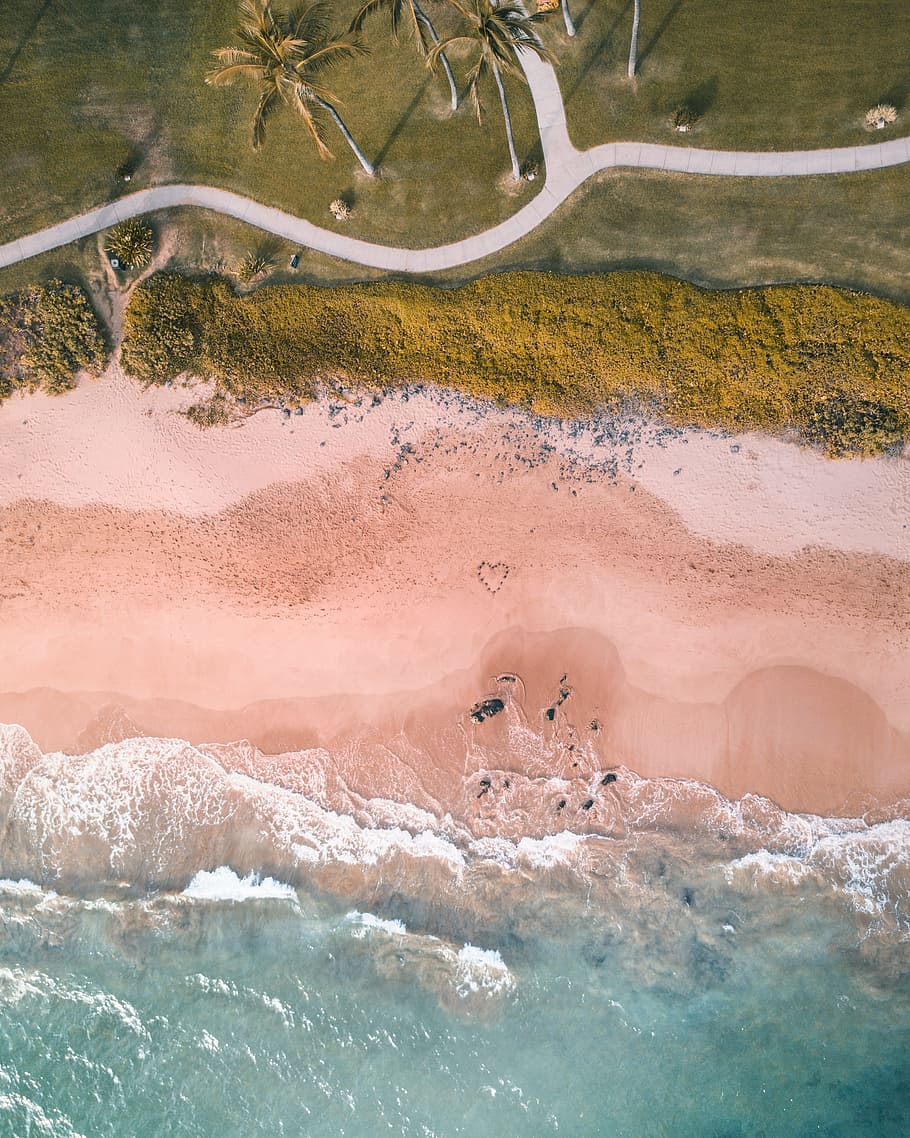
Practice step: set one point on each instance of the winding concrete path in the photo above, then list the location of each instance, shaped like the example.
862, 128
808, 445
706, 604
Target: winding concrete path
566, 169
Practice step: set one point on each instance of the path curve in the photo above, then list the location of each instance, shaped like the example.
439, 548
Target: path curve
566, 169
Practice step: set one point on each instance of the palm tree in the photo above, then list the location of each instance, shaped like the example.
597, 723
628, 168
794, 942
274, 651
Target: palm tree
498, 31
283, 53
421, 25
633, 46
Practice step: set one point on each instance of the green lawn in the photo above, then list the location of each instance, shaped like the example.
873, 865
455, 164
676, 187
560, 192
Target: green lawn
847, 230
766, 74
89, 85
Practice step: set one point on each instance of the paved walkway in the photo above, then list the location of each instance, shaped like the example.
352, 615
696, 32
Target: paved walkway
566, 169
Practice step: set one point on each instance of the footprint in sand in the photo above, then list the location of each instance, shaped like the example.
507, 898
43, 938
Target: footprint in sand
492, 575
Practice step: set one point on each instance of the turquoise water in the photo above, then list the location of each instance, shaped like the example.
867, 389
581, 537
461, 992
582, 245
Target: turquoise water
290, 1016
706, 969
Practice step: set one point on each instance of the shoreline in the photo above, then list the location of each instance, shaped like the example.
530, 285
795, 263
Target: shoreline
406, 553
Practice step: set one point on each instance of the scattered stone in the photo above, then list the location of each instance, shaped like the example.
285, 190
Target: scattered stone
587, 804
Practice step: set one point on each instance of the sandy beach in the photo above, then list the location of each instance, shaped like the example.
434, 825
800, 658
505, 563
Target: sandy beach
356, 577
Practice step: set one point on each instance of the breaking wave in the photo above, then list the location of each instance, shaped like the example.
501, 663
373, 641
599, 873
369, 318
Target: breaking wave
160, 814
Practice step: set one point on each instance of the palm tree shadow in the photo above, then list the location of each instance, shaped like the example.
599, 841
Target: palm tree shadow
702, 98
401, 124
659, 31
599, 50
582, 16
24, 40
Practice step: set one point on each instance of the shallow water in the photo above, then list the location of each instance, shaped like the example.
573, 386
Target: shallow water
707, 968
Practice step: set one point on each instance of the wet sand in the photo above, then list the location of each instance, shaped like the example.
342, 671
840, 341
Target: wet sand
355, 579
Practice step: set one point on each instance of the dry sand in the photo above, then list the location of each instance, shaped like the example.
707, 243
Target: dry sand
734, 610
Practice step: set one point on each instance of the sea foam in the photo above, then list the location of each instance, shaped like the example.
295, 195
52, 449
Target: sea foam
223, 884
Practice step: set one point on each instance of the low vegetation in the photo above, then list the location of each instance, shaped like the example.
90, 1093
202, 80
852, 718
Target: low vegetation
827, 364
131, 243
48, 334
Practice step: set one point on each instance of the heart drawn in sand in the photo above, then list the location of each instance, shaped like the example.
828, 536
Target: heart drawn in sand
492, 575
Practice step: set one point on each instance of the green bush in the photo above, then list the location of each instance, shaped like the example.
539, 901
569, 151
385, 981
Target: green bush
131, 243
47, 335
829, 364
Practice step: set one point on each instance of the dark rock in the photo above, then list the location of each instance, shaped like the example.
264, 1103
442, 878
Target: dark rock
587, 804
486, 709
551, 713
609, 777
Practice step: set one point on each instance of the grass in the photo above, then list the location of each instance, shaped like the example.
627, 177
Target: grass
848, 230
768, 75
93, 85
827, 364
724, 232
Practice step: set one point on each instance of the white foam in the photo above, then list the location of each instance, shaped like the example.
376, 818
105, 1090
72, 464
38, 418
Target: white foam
21, 888
867, 865
481, 971
553, 850
367, 921
223, 884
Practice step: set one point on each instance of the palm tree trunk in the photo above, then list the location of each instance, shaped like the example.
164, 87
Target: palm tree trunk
443, 58
633, 46
516, 172
348, 137
567, 16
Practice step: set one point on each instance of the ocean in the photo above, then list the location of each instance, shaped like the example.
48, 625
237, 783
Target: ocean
706, 968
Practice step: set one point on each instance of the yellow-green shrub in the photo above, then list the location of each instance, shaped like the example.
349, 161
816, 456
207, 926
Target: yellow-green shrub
48, 334
830, 364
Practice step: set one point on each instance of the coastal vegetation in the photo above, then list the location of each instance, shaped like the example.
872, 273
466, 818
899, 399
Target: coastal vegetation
48, 334
131, 243
825, 364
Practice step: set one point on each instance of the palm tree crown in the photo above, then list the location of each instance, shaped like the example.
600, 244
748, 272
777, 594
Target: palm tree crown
410, 13
498, 31
283, 54
407, 11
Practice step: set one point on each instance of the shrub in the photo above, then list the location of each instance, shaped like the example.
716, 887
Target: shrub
825, 362
213, 412
131, 243
48, 334
881, 115
251, 266
164, 326
684, 118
